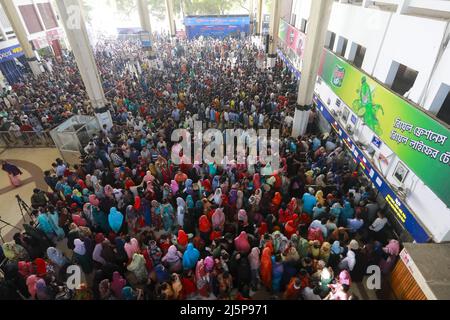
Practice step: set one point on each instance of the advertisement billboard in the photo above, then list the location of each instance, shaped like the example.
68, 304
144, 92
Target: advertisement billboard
419, 140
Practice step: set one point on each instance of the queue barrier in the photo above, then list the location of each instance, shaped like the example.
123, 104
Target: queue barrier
27, 139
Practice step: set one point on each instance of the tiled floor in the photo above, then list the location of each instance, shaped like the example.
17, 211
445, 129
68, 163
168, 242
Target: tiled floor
33, 162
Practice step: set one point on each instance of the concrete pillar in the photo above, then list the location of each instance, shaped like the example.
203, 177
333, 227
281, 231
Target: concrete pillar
259, 17
73, 21
252, 18
14, 18
170, 17
3, 33
144, 15
318, 26
273, 31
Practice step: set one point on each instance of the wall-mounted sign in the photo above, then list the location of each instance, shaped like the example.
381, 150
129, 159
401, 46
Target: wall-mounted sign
292, 40
11, 53
420, 141
376, 142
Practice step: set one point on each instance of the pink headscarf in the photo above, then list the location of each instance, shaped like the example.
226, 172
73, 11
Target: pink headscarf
31, 284
78, 220
209, 263
218, 219
174, 186
108, 191
392, 248
242, 216
344, 278
131, 248
241, 243
93, 200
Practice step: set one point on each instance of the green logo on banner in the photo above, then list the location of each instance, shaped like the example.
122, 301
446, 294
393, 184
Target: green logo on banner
338, 76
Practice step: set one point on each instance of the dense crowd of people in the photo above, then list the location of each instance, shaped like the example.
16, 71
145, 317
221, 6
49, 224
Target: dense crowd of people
141, 227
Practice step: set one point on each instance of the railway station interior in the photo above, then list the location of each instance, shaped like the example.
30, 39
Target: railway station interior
224, 150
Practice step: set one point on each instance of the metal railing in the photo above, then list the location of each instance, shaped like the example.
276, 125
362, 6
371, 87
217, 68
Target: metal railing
26, 139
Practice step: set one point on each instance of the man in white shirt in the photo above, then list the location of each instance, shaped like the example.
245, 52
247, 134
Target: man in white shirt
379, 222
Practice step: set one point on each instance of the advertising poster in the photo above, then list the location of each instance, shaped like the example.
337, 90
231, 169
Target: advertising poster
420, 141
282, 31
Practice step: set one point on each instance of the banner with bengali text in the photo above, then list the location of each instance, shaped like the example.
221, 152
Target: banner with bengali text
419, 140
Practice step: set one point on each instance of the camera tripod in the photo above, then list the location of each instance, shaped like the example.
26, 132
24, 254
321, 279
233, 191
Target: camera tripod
24, 208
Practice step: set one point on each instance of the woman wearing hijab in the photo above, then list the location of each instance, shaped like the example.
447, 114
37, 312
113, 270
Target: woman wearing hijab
138, 268
190, 257
256, 181
182, 240
156, 215
131, 246
131, 218
266, 266
14, 251
13, 173
241, 243
218, 219
276, 200
181, 211
391, 252
45, 224
104, 289
202, 279
97, 253
42, 291
319, 197
215, 183
31, 285
204, 228
129, 294
217, 198
57, 257
115, 219
173, 260
255, 264
167, 214
347, 213
117, 284
81, 257
174, 187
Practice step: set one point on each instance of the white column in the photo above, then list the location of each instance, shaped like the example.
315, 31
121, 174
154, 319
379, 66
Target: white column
3, 33
169, 8
19, 29
273, 32
76, 32
259, 17
144, 15
318, 26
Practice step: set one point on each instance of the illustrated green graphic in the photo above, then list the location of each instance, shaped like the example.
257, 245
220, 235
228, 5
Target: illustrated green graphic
419, 140
366, 109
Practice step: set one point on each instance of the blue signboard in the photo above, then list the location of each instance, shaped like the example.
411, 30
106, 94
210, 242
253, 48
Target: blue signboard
376, 142
217, 27
403, 214
11, 53
290, 66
